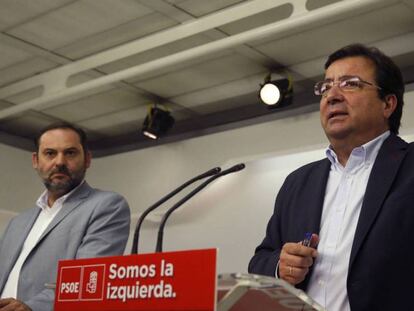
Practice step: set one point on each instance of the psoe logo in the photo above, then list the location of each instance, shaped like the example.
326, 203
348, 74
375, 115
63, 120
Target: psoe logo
81, 283
93, 277
70, 283
93, 281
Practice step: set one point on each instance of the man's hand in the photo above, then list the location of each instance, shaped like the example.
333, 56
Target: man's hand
295, 260
11, 304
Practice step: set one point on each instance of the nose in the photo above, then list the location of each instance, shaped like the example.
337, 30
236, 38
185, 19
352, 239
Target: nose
334, 95
60, 159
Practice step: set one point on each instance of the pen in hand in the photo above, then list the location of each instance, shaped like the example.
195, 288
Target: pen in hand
307, 240
310, 240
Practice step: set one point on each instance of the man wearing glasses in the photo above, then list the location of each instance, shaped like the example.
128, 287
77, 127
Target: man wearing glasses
356, 207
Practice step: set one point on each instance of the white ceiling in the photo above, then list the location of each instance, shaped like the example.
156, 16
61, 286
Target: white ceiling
100, 63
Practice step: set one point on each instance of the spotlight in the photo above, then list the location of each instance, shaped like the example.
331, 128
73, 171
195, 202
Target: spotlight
275, 92
157, 123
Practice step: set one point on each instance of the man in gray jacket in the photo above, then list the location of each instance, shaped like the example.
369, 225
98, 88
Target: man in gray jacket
71, 220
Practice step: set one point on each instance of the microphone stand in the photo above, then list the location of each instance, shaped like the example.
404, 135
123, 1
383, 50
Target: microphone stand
232, 169
134, 249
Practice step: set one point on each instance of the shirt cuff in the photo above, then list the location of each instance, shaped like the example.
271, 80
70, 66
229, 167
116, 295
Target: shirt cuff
277, 269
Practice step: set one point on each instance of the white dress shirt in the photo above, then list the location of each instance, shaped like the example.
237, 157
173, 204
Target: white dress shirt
344, 195
45, 217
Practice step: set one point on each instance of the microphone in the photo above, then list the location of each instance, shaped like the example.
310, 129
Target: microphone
235, 168
134, 249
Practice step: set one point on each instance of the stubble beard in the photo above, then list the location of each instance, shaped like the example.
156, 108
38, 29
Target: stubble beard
61, 187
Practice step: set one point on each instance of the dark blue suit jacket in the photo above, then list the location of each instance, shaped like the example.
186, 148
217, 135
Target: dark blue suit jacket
381, 270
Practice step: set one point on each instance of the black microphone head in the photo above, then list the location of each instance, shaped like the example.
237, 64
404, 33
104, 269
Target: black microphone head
235, 168
239, 167
215, 170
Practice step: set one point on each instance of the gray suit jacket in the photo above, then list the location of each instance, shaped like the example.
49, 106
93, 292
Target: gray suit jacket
91, 223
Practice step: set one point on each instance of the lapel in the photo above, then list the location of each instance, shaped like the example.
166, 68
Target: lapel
21, 230
317, 184
380, 181
68, 206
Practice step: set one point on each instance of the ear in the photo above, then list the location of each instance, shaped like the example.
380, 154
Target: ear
88, 158
390, 105
34, 160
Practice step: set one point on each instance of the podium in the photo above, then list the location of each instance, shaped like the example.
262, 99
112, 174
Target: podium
170, 281
249, 292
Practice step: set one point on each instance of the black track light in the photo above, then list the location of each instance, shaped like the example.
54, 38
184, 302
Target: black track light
157, 122
274, 93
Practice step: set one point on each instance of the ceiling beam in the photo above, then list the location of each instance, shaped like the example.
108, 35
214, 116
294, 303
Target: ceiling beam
58, 77
54, 81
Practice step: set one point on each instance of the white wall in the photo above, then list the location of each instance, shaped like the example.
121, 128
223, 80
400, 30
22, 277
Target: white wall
231, 213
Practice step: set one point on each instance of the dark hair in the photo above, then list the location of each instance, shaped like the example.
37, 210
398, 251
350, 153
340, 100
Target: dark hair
63, 125
388, 76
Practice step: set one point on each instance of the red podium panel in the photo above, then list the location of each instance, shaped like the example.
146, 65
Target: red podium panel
184, 280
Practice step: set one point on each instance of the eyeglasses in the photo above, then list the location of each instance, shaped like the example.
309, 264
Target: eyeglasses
345, 83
